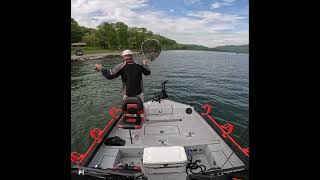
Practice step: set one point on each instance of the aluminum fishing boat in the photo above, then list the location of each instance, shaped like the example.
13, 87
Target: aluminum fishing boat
162, 140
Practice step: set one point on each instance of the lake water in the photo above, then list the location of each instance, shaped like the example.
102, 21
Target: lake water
218, 78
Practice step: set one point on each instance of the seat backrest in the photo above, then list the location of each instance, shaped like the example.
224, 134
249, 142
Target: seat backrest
132, 105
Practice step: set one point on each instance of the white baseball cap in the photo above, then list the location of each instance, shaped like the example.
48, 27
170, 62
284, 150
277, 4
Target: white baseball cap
126, 52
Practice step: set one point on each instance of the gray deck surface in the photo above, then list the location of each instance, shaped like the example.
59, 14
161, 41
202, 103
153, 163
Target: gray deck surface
169, 125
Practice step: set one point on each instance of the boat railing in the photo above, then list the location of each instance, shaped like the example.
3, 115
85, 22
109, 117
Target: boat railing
97, 135
224, 131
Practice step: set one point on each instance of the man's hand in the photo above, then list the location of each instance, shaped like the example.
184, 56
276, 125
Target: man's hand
98, 67
145, 62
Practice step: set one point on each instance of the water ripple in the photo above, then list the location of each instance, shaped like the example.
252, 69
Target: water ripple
217, 78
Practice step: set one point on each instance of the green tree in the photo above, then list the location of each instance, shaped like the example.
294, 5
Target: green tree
122, 35
132, 39
90, 39
106, 36
119, 36
140, 38
76, 31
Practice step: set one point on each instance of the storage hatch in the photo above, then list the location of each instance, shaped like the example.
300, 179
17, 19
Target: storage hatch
159, 110
157, 130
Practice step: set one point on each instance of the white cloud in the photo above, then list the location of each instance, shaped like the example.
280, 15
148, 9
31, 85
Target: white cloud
215, 17
238, 38
189, 2
171, 10
216, 5
201, 27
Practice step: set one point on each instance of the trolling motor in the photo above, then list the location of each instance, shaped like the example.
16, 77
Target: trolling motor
161, 95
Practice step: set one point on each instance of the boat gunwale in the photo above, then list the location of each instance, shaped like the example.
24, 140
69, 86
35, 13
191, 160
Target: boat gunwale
95, 146
236, 148
91, 152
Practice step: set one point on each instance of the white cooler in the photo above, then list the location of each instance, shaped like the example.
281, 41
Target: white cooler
164, 159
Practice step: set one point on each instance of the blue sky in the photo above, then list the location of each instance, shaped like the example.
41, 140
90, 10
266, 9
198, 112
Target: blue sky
204, 22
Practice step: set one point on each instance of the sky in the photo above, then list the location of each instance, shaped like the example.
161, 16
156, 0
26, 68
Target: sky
203, 22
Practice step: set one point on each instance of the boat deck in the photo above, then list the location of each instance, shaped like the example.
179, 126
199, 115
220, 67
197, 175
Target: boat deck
168, 124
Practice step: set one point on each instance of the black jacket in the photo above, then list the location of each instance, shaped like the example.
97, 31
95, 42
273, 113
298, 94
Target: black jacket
131, 75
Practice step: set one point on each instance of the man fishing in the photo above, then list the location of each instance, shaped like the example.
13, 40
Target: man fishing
131, 75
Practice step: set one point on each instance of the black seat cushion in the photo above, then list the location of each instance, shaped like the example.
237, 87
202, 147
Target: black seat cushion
132, 105
130, 122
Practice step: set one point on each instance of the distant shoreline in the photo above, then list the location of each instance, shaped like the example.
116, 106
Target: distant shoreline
90, 56
118, 54
205, 50
97, 56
